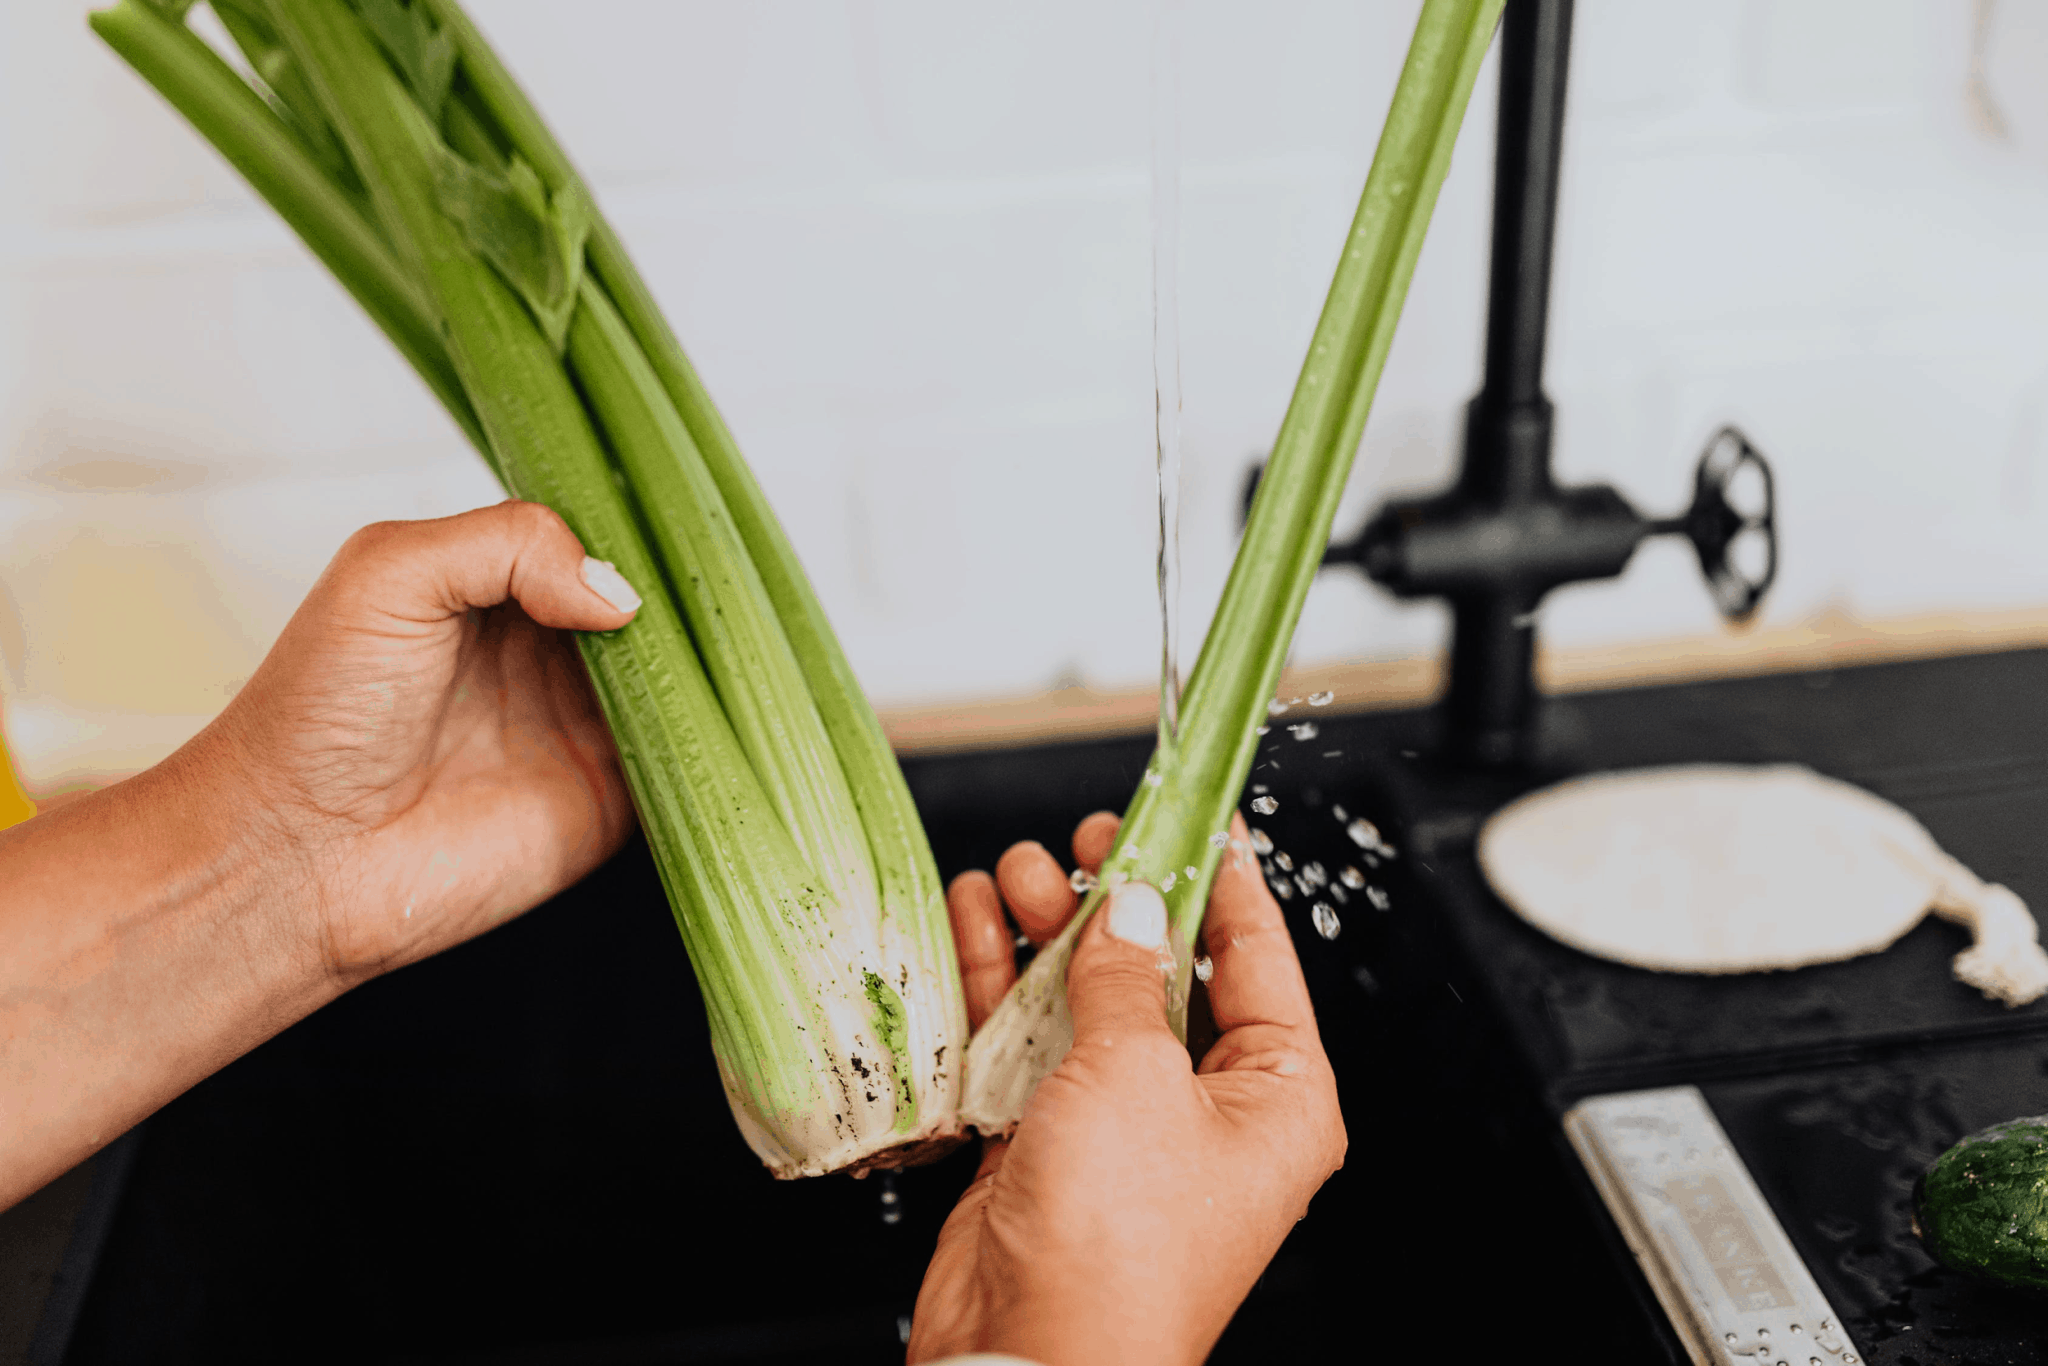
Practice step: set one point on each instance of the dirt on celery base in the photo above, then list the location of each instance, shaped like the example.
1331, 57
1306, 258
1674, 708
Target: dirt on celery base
916, 1153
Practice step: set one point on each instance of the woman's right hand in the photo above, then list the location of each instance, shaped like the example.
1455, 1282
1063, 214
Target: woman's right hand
1140, 1197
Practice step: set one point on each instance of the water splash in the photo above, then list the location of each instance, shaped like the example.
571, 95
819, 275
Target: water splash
1082, 881
1166, 400
1325, 917
1265, 806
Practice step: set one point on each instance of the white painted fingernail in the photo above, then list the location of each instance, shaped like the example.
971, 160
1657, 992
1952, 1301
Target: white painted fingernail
604, 579
1137, 915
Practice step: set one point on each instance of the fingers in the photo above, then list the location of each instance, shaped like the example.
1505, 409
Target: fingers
1257, 977
1116, 983
1035, 888
988, 964
429, 571
1092, 838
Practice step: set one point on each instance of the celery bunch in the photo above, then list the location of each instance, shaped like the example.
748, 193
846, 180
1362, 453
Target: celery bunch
1176, 827
390, 137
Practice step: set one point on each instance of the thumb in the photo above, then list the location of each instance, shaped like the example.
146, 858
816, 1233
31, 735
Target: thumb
1116, 983
431, 570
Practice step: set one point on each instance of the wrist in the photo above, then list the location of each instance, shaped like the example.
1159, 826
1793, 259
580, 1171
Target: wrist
1098, 1322
147, 939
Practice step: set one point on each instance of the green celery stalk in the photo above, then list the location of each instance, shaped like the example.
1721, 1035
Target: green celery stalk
799, 1002
473, 260
913, 900
1181, 813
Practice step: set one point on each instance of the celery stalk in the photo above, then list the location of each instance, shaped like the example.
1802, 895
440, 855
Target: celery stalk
912, 899
1190, 788
833, 1012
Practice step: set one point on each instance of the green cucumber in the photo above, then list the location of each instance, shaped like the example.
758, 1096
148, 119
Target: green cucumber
1982, 1208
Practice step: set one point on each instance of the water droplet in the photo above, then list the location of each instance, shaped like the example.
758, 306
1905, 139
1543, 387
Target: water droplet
1379, 898
1220, 840
1340, 813
1154, 778
1351, 877
1315, 874
1282, 888
1285, 861
1082, 881
1166, 883
1116, 877
1261, 730
1304, 730
903, 1329
1321, 699
1265, 806
1337, 892
892, 1203
1325, 917
1307, 888
1204, 969
1261, 788
1276, 707
1192, 872
1262, 843
1022, 941
1363, 833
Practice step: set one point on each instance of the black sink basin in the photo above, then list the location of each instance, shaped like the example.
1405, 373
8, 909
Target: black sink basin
519, 1152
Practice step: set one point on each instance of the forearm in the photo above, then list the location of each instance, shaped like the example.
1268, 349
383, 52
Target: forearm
147, 936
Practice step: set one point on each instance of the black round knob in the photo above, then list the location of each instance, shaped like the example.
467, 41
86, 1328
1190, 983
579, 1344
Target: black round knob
1733, 523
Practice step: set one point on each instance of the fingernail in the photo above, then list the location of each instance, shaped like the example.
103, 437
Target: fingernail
1137, 915
604, 579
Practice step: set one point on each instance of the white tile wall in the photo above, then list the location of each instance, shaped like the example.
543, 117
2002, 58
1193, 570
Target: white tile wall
907, 243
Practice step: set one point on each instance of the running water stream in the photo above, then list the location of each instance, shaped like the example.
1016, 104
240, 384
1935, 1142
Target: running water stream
1166, 352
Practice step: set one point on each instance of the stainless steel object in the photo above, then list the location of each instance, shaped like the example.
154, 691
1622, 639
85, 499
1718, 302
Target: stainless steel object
1717, 1257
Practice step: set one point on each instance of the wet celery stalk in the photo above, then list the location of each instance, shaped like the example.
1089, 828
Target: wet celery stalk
1180, 816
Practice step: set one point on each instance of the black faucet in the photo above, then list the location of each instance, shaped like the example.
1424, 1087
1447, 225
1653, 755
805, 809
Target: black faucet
1504, 534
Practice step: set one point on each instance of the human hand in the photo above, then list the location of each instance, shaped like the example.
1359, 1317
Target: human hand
423, 743
1140, 1197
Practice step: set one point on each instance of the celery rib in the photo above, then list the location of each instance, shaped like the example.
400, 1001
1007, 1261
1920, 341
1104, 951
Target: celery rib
1191, 790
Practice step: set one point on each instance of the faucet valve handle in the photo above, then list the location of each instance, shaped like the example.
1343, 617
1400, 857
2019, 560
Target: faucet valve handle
1733, 523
